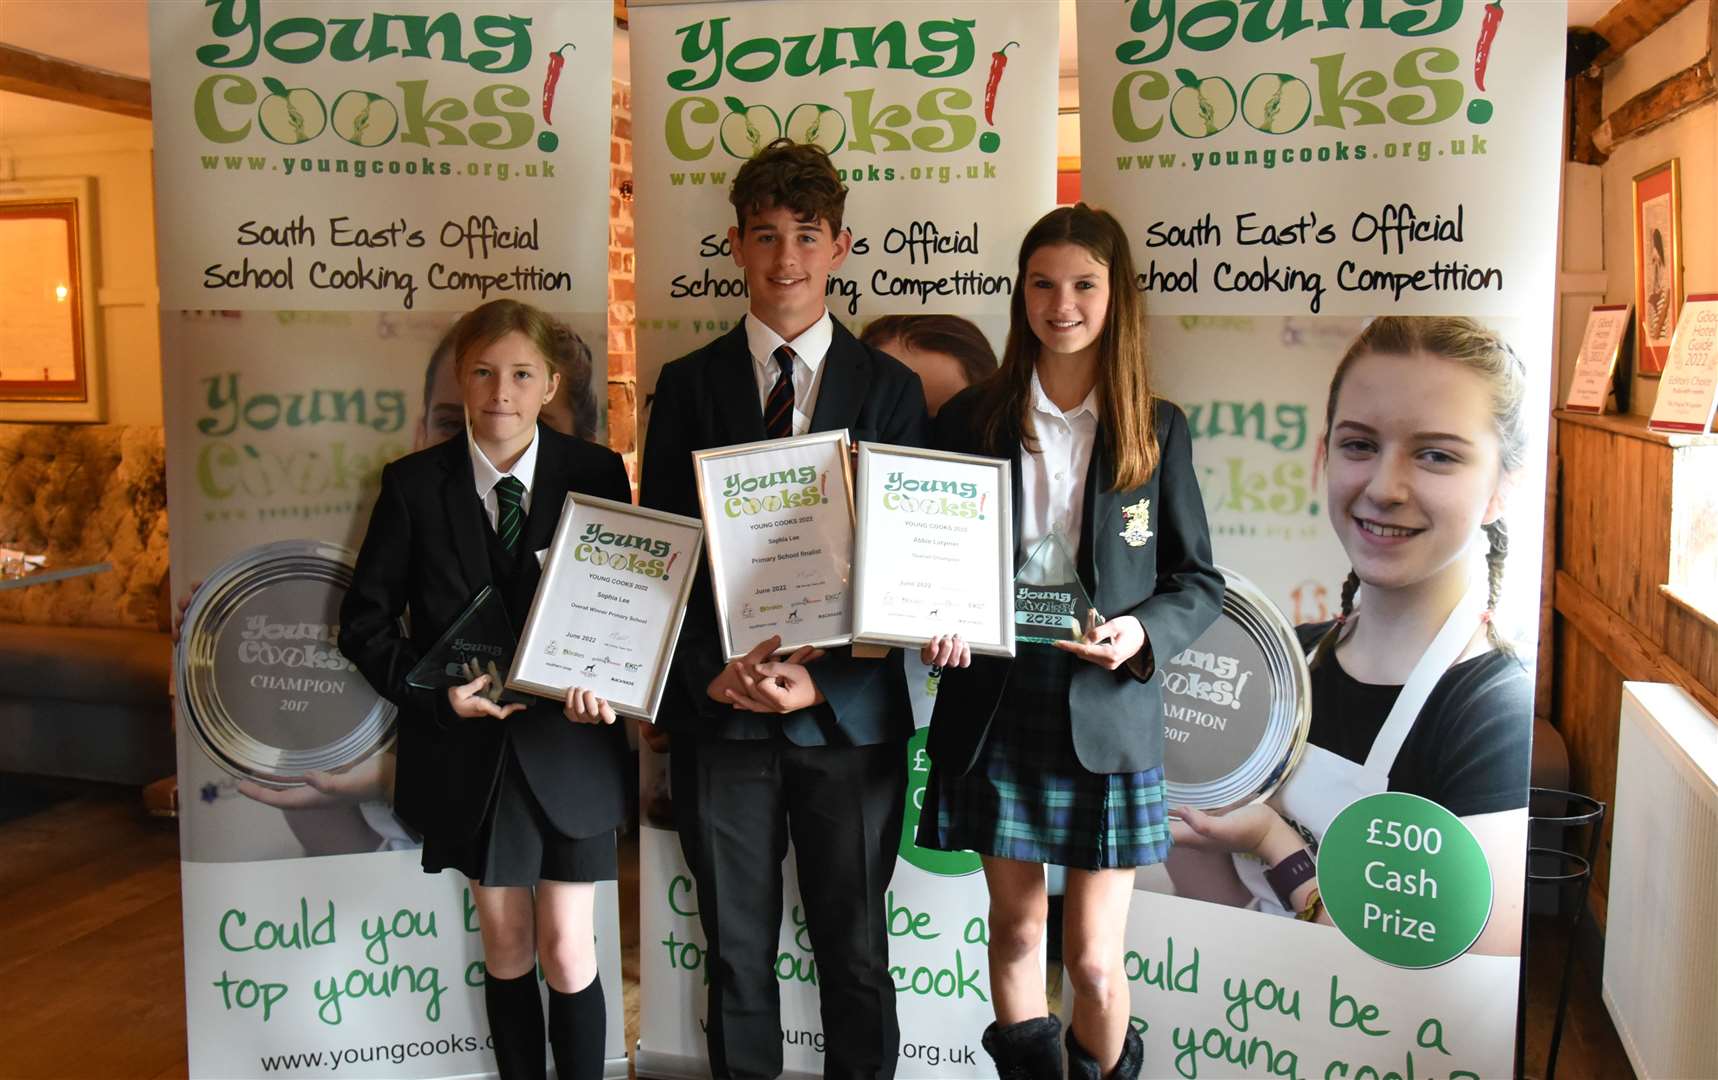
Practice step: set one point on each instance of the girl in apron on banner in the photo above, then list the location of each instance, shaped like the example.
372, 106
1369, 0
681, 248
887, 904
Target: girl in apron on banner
1413, 689
521, 799
1052, 757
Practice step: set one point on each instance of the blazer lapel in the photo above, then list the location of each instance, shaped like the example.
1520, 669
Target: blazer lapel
464, 514
1100, 510
549, 487
1010, 450
841, 389
734, 392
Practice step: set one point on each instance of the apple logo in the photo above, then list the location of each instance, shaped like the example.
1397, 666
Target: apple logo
365, 119
291, 116
1202, 107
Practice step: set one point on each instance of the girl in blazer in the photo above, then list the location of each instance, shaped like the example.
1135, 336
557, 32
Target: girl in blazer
521, 799
1056, 755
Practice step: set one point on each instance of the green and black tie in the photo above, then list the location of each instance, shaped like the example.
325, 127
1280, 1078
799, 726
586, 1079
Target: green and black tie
510, 521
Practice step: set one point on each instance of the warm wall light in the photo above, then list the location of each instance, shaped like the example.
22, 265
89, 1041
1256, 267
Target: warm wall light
60, 293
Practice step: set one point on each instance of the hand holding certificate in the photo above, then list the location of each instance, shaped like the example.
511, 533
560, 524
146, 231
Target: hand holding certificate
935, 549
607, 612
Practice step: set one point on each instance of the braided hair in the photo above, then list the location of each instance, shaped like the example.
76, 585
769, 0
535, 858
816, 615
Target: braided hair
1484, 352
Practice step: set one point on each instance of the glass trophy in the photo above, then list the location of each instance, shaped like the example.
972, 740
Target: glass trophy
479, 642
1050, 604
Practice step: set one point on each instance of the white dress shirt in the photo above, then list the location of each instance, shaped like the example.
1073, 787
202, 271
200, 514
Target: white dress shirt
809, 349
485, 476
1053, 480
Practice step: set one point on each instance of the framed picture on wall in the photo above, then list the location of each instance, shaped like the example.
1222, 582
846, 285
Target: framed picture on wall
50, 366
1657, 263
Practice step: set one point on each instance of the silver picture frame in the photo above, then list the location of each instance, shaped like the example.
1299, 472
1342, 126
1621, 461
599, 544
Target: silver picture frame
605, 597
761, 581
881, 602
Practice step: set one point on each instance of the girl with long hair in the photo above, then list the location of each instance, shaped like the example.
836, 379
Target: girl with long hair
1055, 756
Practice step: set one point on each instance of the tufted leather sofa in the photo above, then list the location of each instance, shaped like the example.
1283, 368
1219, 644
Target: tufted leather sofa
84, 662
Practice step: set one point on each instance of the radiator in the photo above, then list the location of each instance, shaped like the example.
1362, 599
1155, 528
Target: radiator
1661, 934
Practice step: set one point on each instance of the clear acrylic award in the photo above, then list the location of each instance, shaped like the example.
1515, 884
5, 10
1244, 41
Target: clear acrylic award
1050, 604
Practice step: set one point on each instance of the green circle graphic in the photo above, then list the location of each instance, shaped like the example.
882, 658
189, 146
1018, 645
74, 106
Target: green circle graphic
1404, 880
943, 863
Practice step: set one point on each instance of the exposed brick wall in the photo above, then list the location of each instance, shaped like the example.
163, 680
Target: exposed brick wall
622, 352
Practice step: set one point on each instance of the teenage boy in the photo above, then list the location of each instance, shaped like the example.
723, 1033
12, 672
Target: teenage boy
767, 750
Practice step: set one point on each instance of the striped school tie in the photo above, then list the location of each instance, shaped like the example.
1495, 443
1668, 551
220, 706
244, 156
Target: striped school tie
510, 521
778, 410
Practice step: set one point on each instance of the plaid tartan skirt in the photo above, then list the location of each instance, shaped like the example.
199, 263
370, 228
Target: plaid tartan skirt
1029, 798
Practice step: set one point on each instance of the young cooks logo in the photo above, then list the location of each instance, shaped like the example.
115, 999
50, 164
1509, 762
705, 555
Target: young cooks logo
1421, 62
906, 494
254, 88
1207, 676
948, 107
646, 556
745, 495
260, 455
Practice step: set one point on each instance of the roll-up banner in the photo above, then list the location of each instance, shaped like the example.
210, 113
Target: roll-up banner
334, 185
1286, 173
942, 122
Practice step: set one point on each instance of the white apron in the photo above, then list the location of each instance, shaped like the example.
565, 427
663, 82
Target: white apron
1323, 783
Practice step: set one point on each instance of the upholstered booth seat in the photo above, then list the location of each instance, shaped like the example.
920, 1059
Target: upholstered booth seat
84, 662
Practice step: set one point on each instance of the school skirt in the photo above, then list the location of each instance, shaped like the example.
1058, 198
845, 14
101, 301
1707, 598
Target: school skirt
1029, 798
517, 844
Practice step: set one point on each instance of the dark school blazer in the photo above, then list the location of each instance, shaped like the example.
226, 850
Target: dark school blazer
709, 398
1169, 583
425, 554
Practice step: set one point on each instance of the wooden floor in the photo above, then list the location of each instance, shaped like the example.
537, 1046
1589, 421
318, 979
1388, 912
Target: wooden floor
93, 977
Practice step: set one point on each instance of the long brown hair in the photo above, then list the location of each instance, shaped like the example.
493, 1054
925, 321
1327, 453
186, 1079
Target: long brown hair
1126, 408
1483, 351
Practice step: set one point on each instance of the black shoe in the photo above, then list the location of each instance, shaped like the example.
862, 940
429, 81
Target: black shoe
1029, 1050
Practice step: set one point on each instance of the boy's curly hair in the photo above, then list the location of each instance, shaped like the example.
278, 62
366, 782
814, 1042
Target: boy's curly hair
799, 176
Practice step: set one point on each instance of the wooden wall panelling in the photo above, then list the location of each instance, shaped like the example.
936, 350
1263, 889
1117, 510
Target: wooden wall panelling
1588, 700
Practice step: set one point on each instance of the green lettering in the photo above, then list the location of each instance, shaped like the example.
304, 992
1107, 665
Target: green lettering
934, 107
1147, 85
421, 117
516, 127
1446, 94
238, 92
700, 110
1334, 95
868, 128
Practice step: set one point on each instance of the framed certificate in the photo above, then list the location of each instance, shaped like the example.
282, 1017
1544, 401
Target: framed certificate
1689, 393
607, 611
778, 525
935, 549
1595, 367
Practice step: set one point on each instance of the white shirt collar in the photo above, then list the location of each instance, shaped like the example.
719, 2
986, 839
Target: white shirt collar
1041, 402
485, 475
811, 346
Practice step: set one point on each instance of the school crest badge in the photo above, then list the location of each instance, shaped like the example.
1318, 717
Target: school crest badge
1136, 522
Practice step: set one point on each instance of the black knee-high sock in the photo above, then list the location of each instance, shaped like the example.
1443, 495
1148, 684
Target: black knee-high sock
578, 1024
516, 1024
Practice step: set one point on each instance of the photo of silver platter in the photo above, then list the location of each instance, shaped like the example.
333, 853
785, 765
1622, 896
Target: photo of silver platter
262, 685
1236, 705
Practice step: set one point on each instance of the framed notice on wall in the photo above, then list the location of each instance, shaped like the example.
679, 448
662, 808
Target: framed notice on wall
1689, 392
1657, 263
1607, 328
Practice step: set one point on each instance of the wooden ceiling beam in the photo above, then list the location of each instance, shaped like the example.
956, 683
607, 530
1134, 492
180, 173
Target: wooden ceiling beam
1627, 24
37, 75
1690, 88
